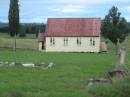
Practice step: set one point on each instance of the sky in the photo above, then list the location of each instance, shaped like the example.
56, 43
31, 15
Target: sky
37, 11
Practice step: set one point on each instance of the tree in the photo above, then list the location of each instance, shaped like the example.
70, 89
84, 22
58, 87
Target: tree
115, 27
14, 20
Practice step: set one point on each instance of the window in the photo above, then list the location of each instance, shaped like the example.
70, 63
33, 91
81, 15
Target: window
79, 41
52, 41
92, 41
66, 41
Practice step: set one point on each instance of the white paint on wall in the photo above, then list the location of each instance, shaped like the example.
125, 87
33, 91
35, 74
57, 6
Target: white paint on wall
40, 46
72, 45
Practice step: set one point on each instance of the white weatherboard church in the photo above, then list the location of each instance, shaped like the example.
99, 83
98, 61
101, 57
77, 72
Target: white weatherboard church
71, 35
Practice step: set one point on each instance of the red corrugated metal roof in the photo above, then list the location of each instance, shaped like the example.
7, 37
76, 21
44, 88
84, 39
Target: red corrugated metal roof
73, 27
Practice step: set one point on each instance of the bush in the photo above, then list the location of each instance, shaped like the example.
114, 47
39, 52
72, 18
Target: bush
22, 35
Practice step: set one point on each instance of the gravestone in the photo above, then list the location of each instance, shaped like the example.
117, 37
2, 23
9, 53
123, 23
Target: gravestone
97, 82
121, 59
12, 64
120, 69
50, 65
28, 65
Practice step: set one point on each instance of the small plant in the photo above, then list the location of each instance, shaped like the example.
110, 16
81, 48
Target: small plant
117, 89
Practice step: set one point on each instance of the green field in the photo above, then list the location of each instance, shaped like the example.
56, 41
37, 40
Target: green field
30, 42
68, 77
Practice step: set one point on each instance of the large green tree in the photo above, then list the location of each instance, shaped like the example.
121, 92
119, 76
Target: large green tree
115, 27
14, 20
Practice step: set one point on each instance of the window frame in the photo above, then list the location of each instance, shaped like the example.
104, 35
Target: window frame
52, 41
79, 41
65, 41
92, 41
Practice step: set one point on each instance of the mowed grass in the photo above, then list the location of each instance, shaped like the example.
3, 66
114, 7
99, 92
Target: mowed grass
111, 46
68, 78
28, 44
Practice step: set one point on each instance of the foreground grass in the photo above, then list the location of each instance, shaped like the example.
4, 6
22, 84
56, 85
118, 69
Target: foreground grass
119, 88
66, 79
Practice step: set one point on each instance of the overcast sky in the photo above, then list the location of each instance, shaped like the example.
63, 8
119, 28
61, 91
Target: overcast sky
39, 10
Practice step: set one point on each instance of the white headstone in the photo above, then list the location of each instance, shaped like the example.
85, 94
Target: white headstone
28, 65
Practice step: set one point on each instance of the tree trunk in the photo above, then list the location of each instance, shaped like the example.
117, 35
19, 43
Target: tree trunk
14, 45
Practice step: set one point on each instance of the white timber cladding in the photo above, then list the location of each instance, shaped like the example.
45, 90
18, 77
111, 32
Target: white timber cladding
72, 44
40, 46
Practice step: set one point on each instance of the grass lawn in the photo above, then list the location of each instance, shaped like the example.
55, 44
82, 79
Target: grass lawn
126, 44
31, 44
66, 79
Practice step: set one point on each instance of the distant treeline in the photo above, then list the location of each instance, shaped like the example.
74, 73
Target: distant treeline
25, 28
3, 27
28, 28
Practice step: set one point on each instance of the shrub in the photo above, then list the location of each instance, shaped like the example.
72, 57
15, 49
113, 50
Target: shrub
22, 35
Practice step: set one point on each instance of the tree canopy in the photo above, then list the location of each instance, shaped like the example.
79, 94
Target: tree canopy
115, 27
13, 17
